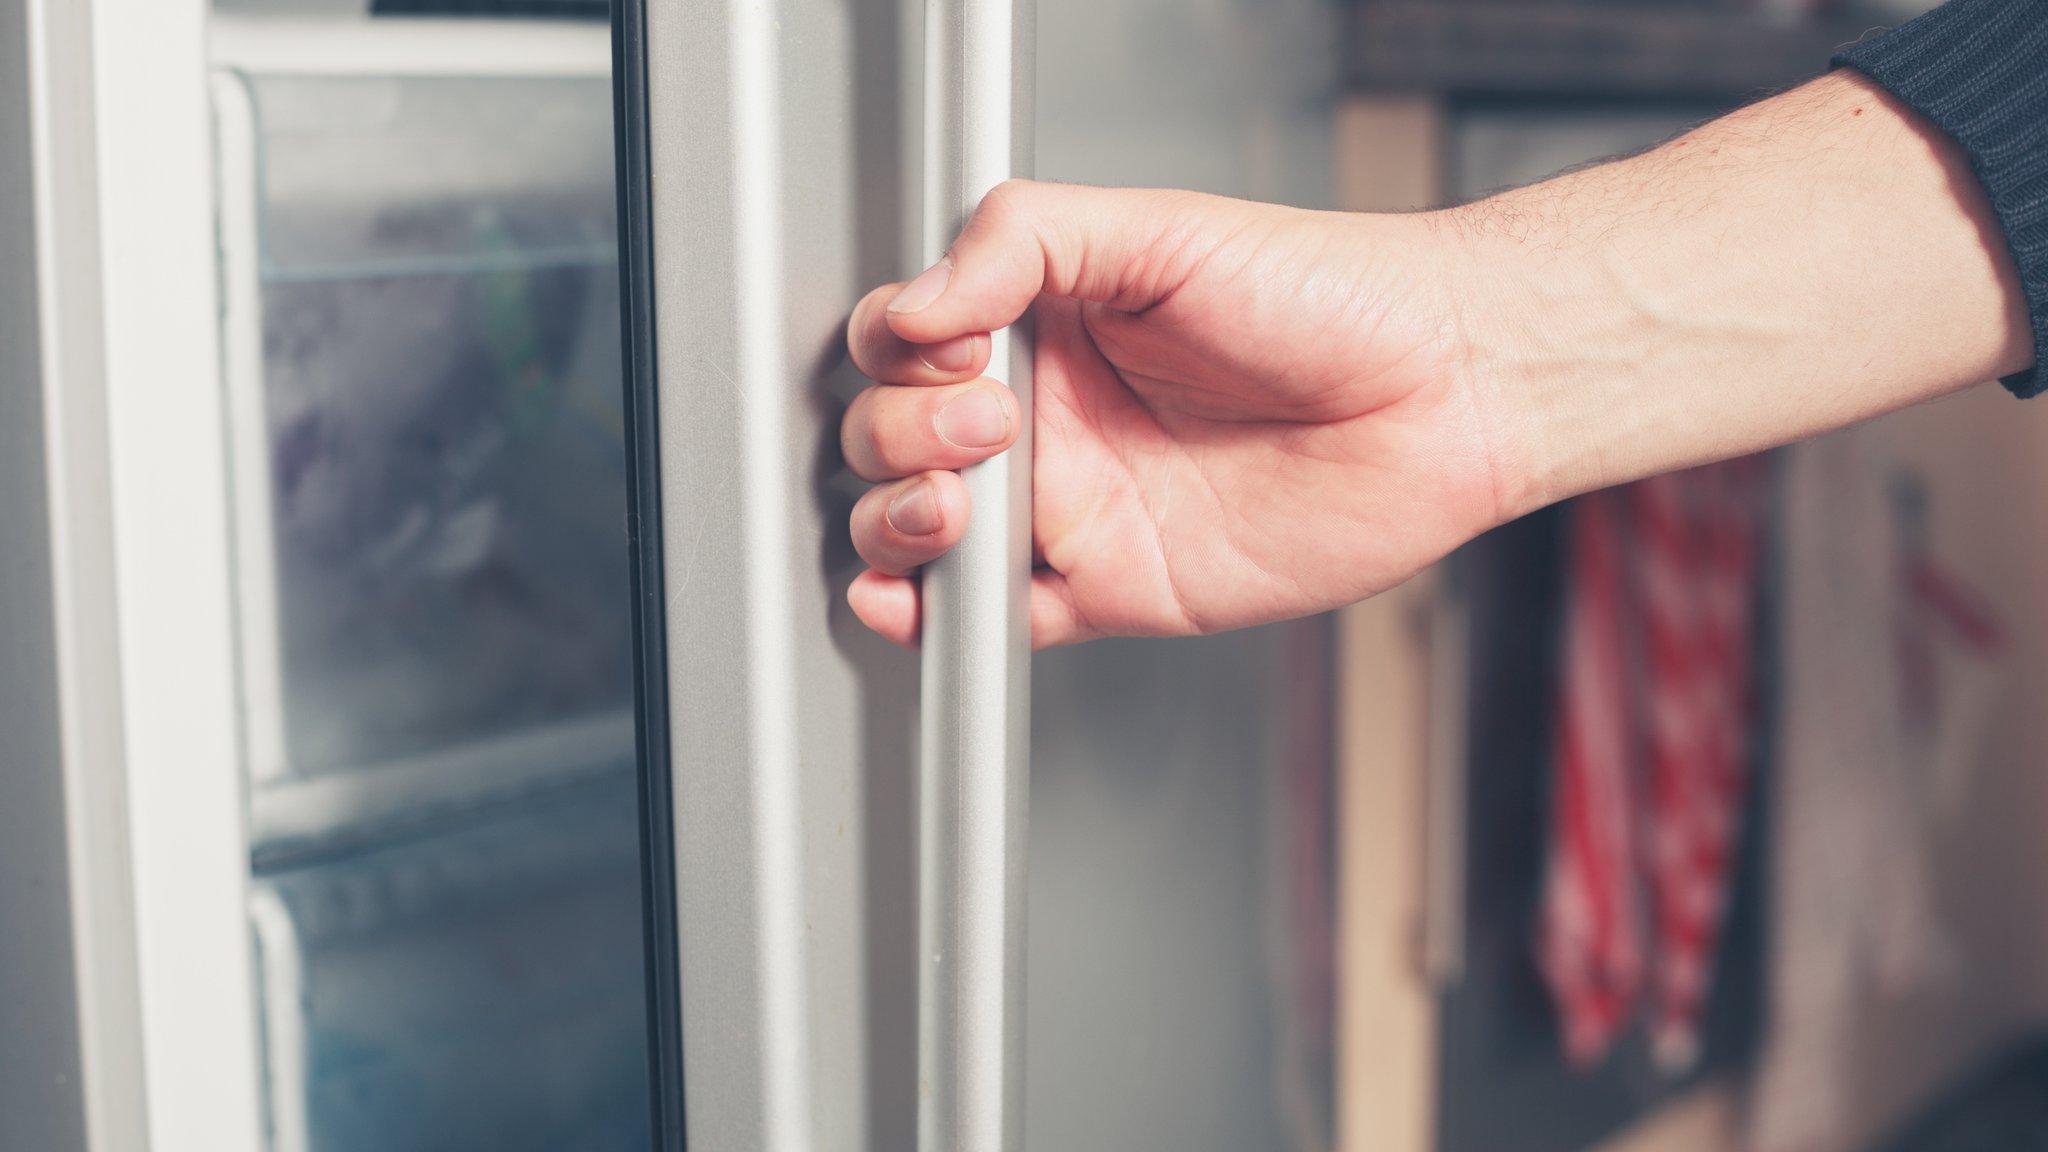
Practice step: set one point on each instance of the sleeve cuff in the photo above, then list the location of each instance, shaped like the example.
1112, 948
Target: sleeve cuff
1976, 69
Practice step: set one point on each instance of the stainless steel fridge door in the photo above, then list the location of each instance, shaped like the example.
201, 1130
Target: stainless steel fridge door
772, 163
767, 158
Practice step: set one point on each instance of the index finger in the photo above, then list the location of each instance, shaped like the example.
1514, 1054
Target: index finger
887, 358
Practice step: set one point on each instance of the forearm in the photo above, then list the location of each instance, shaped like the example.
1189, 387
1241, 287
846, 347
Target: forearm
1816, 259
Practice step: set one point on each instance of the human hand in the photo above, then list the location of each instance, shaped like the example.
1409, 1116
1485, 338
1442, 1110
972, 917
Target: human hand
1243, 413
1246, 413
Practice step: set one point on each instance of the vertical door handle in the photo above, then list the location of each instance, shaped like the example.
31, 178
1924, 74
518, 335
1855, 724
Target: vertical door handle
975, 747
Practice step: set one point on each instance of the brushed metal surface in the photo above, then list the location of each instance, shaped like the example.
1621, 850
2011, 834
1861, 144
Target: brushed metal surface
42, 1048
975, 751
777, 168
71, 1063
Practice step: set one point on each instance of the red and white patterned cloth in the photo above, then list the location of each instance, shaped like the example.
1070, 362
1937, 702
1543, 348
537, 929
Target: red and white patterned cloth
1654, 733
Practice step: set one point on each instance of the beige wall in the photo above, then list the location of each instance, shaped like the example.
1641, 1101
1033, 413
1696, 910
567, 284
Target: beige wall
1985, 456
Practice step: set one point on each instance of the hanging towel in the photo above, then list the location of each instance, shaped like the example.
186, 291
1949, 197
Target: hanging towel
1700, 566
1590, 949
1654, 734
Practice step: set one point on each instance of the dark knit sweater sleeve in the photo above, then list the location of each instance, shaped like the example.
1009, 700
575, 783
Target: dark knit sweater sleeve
1979, 70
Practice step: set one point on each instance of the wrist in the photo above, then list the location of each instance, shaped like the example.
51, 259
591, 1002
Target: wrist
1538, 342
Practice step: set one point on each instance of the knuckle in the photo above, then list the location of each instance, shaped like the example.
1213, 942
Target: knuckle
887, 558
892, 455
879, 295
871, 530
867, 329
876, 558
860, 335
1006, 201
873, 441
857, 413
856, 430
856, 347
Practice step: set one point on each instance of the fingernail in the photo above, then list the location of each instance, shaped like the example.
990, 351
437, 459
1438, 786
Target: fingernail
915, 511
955, 355
974, 419
919, 293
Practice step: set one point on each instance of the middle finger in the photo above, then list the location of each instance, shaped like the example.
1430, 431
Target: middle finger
891, 432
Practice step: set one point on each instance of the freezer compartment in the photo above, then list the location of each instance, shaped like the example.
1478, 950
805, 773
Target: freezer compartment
424, 390
425, 375
480, 988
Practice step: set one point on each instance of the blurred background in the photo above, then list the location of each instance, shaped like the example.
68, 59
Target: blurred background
1450, 871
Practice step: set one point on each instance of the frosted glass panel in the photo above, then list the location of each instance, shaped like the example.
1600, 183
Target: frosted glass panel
414, 175
442, 383
426, 386
476, 990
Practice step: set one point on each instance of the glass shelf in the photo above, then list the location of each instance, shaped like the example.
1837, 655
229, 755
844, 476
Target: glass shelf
480, 989
297, 821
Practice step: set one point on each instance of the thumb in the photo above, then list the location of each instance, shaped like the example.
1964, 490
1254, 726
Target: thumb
1028, 238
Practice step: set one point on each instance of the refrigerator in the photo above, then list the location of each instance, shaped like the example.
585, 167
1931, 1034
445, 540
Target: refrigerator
433, 717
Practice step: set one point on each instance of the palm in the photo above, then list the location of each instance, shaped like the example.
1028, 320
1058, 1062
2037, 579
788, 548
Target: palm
1227, 457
